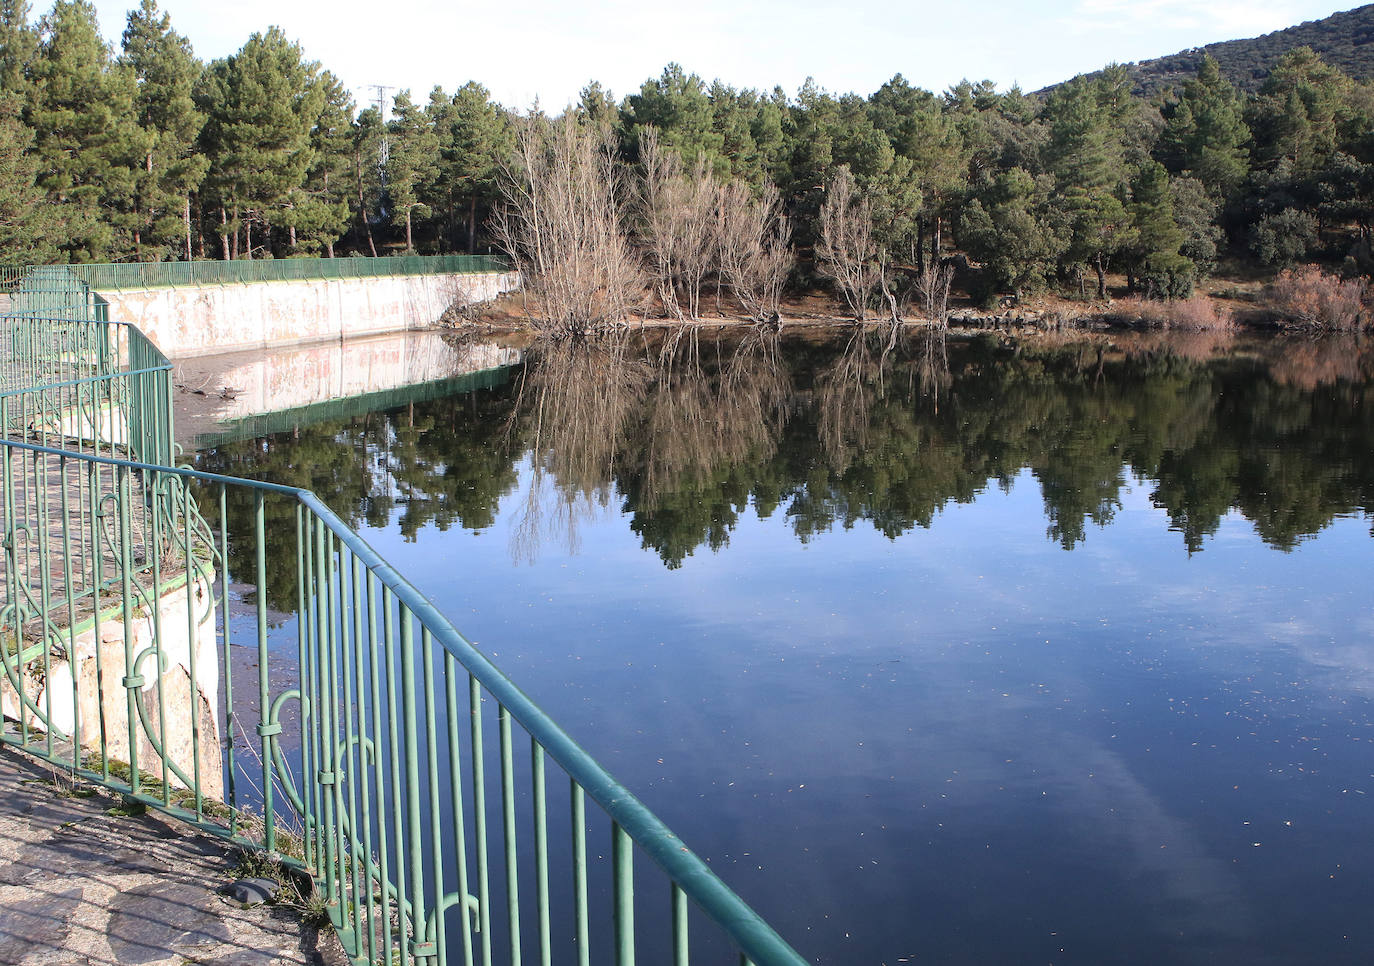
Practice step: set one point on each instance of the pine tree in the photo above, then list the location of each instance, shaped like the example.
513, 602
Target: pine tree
172, 170
260, 105
1205, 134
919, 129
732, 112
18, 45
369, 172
677, 104
320, 210
87, 138
1299, 112
1009, 225
1195, 213
808, 156
1154, 259
444, 189
766, 128
26, 223
411, 165
475, 136
596, 106
1086, 155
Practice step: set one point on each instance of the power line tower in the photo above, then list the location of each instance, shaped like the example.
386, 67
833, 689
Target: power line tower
385, 151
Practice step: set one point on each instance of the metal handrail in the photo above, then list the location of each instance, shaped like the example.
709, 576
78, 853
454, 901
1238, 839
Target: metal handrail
370, 746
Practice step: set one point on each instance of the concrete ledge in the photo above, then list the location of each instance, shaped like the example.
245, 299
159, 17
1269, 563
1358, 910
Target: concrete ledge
85, 684
203, 319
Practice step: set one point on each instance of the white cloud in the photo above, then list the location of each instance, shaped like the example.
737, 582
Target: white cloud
1210, 22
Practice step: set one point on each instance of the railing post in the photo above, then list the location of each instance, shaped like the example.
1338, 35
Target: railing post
623, 886
267, 729
424, 946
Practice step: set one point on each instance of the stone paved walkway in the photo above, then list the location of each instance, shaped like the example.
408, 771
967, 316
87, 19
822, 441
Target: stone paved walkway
82, 887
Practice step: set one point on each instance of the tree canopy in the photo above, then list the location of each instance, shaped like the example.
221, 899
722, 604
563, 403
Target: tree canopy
147, 153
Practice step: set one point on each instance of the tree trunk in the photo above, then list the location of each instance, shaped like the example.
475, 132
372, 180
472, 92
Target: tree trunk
935, 239
887, 293
1100, 265
224, 233
920, 243
410, 242
138, 212
472, 225
362, 205
186, 220
367, 225
248, 238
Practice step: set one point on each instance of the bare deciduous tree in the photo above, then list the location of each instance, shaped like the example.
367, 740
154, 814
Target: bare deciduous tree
932, 284
754, 245
564, 226
678, 215
847, 250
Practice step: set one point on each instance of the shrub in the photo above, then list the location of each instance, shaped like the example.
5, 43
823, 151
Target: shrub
1196, 313
1307, 296
1199, 313
1283, 238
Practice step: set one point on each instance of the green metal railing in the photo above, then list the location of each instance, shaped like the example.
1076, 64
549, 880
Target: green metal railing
232, 653
11, 276
141, 275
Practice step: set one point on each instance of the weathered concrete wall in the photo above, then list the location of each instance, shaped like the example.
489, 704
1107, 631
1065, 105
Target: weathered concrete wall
99, 667
86, 423
300, 376
197, 320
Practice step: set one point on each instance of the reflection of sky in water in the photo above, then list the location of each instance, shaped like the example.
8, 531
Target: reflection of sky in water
967, 745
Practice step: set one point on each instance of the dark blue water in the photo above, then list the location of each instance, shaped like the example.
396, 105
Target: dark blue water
959, 654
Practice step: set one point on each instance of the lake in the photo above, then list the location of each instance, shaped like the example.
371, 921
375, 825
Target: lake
962, 650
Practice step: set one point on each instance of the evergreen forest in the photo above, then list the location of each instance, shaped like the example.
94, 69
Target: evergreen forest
141, 151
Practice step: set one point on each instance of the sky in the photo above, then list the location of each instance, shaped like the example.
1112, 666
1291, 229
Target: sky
548, 50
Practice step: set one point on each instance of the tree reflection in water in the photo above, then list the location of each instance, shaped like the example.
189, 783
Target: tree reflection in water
572, 414
687, 430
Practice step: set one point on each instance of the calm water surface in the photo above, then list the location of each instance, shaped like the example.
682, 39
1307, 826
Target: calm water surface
964, 653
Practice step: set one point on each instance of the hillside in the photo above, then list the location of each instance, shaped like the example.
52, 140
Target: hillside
1345, 40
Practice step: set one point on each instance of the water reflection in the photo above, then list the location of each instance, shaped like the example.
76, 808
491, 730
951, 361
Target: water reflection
859, 426
929, 733
572, 412
248, 384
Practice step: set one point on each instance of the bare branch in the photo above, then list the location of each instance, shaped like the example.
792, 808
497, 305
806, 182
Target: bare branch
846, 250
564, 226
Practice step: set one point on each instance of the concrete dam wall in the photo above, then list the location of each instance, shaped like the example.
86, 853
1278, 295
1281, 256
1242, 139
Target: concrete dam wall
202, 319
